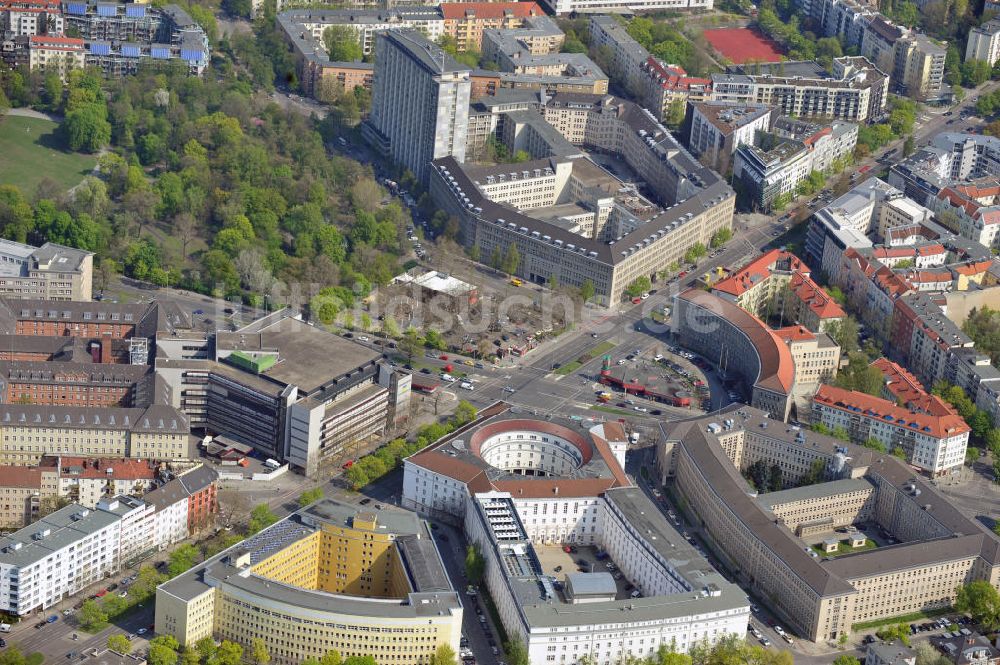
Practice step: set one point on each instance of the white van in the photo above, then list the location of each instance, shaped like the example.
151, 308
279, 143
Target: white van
447, 377
465, 385
4, 627
271, 463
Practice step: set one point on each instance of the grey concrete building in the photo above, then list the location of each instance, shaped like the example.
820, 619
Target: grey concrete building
420, 102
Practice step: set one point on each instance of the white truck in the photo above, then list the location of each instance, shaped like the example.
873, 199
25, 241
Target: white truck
272, 463
4, 627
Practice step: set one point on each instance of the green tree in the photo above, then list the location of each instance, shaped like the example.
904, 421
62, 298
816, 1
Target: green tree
161, 654
190, 657
331, 658
92, 616
228, 653
981, 601
475, 565
674, 116
182, 559
87, 128
587, 290
639, 285
205, 648
898, 452
695, 252
145, 584
517, 653
342, 43
261, 517
444, 655
259, 652
721, 237
119, 643
464, 413
168, 641
846, 659
511, 259
310, 496
899, 631
874, 444
909, 146
410, 344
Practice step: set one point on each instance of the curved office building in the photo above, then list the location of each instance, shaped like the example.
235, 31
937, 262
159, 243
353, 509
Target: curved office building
327, 578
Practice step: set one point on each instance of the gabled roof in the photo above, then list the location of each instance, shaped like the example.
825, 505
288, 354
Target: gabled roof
876, 408
758, 270
489, 10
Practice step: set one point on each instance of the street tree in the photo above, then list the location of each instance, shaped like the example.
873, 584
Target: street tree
981, 601
259, 652
119, 643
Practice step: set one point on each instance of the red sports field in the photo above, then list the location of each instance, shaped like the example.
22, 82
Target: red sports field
740, 45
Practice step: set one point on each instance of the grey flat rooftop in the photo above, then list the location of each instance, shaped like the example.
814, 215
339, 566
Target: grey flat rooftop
539, 608
817, 491
830, 577
59, 258
64, 531
308, 357
591, 584
431, 57
342, 514
807, 69
431, 590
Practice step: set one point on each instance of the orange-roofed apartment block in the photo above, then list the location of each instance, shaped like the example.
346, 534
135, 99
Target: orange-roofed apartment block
779, 284
933, 441
54, 53
466, 21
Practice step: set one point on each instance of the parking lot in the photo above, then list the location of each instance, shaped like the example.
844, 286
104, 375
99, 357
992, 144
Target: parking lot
556, 561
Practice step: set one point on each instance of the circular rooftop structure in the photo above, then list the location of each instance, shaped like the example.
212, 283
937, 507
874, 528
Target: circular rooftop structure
531, 448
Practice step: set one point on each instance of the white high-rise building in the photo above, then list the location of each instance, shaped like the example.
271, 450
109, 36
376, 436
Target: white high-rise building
984, 42
420, 101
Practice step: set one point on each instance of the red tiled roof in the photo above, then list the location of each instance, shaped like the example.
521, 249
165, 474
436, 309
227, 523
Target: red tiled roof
20, 476
966, 196
121, 469
777, 368
474, 475
489, 10
928, 276
756, 271
974, 268
56, 43
812, 138
905, 252
794, 333
674, 77
899, 381
810, 293
886, 411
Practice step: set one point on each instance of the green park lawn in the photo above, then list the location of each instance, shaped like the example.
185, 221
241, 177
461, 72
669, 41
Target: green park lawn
30, 150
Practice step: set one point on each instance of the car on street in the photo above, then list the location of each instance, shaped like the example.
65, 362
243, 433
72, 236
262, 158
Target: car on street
52, 619
142, 631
